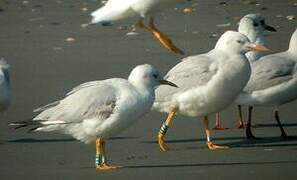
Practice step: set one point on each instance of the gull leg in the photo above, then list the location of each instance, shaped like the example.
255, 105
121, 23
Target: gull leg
164, 129
161, 37
240, 122
284, 134
100, 162
218, 125
210, 144
248, 132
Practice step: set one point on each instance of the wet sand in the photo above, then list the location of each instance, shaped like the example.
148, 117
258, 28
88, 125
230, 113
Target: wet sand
45, 66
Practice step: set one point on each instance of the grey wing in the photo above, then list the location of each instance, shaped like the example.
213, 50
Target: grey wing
191, 72
98, 101
270, 71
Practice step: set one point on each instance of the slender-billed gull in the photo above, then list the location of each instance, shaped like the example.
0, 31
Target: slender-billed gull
97, 110
253, 26
273, 82
5, 88
115, 10
207, 82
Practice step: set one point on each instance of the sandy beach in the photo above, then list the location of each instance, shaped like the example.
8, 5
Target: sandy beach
50, 51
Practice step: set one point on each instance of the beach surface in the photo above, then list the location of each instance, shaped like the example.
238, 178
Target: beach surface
51, 50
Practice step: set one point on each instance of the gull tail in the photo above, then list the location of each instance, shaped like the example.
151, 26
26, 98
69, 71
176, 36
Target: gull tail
36, 125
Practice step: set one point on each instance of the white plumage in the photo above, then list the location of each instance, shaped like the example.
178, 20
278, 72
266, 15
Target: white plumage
208, 82
98, 110
115, 10
252, 26
273, 81
5, 87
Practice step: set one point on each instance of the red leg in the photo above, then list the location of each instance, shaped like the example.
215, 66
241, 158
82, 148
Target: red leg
284, 134
248, 131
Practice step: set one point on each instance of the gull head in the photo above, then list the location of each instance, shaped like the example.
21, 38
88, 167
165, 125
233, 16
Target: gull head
237, 43
147, 77
254, 23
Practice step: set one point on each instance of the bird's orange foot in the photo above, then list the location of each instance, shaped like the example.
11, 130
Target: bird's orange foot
105, 166
163, 146
213, 146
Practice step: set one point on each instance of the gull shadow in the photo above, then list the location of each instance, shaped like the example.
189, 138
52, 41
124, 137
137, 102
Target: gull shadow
266, 142
275, 125
193, 140
32, 140
123, 138
209, 164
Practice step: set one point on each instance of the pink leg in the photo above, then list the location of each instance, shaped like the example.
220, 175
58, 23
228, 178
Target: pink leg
240, 122
218, 125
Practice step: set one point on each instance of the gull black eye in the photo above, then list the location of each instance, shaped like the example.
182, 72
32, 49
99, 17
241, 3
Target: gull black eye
155, 76
255, 24
239, 41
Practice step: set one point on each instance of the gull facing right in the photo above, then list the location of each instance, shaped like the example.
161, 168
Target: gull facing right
273, 82
253, 26
97, 110
208, 82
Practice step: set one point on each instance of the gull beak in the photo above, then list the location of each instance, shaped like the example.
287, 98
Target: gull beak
165, 82
270, 28
258, 47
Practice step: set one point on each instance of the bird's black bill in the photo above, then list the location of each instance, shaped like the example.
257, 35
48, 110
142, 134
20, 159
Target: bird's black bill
270, 28
165, 82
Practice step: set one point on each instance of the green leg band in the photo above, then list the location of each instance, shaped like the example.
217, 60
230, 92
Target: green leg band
163, 129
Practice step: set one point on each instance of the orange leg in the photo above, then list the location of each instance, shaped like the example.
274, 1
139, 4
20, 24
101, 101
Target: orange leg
210, 144
101, 163
161, 37
164, 129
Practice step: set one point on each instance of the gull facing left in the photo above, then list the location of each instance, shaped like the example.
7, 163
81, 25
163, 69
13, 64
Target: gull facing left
97, 110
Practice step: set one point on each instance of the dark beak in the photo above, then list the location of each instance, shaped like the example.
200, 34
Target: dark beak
270, 28
165, 82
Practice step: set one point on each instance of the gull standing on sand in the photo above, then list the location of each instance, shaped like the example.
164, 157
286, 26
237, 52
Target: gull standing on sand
207, 82
97, 110
253, 26
5, 89
115, 10
273, 82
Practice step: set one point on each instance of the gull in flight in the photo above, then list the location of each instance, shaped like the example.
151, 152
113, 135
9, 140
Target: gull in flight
115, 10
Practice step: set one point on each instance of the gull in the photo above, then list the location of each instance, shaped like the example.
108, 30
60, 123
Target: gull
97, 110
115, 10
207, 83
5, 89
253, 26
273, 82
